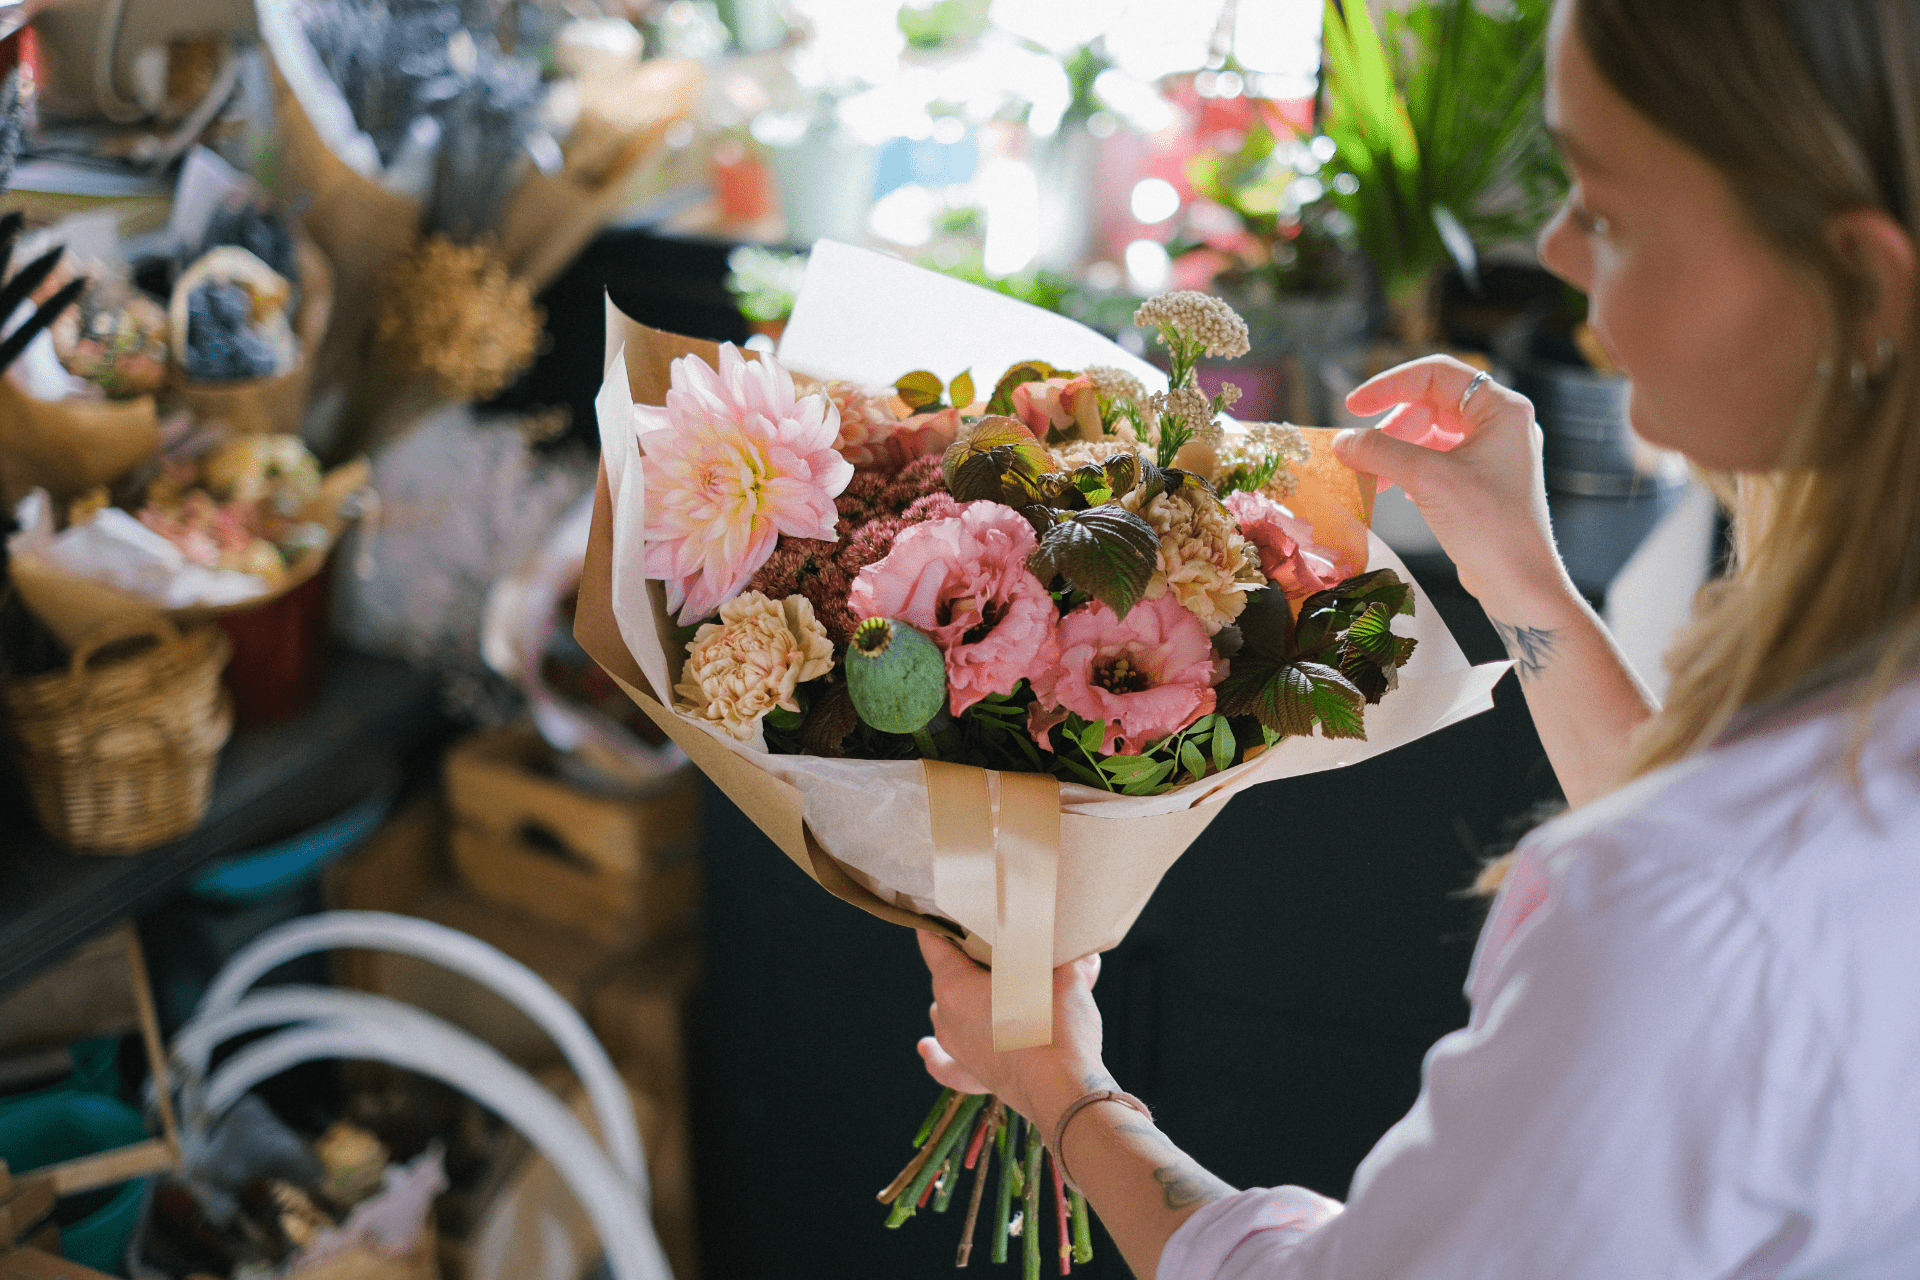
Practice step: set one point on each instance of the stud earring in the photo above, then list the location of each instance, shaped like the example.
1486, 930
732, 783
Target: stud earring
1883, 355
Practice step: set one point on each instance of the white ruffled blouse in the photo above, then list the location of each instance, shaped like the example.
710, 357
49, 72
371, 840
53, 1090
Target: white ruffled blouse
1694, 1048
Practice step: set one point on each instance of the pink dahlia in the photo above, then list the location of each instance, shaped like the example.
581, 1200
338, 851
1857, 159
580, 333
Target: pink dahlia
1288, 554
733, 461
1147, 676
964, 581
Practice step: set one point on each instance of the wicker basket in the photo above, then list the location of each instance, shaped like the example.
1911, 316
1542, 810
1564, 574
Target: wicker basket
118, 750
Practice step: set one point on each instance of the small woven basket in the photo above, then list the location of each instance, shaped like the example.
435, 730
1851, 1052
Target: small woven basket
118, 751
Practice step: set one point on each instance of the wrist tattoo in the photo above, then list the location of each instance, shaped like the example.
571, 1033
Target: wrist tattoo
1183, 1183
1531, 648
1186, 1184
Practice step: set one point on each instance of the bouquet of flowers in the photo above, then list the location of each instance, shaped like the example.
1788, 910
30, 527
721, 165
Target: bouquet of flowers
935, 636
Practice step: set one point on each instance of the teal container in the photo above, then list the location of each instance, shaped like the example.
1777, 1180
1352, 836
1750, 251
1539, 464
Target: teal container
47, 1128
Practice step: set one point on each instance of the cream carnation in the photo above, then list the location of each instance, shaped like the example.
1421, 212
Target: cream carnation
750, 662
1204, 561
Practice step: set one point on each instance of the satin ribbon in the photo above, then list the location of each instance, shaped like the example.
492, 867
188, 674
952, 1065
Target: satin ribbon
996, 857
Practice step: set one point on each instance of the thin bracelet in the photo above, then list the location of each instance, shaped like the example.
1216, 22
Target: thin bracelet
1073, 1109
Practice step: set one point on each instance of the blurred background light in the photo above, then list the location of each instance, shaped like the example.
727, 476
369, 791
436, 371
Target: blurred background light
1154, 200
1148, 266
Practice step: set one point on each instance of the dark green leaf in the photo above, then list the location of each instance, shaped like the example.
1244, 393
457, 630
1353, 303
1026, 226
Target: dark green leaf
1266, 623
1372, 634
919, 390
1123, 472
1372, 681
1336, 703
1092, 484
1107, 552
985, 451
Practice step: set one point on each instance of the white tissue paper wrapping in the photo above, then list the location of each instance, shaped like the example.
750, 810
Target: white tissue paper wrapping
118, 550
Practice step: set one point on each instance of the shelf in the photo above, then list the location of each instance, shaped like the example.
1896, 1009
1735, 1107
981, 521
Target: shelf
373, 713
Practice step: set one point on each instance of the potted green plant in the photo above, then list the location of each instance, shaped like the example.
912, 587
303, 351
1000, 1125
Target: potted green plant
1435, 114
1289, 267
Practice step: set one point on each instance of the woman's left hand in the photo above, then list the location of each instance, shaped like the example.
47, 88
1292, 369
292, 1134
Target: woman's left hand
960, 1053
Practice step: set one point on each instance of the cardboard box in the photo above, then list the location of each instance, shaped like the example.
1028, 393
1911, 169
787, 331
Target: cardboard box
618, 865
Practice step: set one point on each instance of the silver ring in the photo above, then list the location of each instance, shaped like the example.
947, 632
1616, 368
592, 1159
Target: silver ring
1480, 379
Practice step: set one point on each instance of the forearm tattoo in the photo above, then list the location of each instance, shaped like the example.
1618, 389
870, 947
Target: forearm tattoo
1183, 1184
1531, 648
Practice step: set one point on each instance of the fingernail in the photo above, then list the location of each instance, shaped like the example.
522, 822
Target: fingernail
1343, 440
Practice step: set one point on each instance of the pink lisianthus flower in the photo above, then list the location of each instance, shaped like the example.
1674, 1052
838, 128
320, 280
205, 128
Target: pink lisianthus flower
733, 461
1288, 554
1147, 676
964, 581
1063, 403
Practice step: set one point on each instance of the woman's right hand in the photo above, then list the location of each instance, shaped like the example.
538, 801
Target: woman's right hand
1475, 474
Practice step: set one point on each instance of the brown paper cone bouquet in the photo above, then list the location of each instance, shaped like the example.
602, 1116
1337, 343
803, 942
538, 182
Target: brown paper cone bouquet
438, 259
985, 656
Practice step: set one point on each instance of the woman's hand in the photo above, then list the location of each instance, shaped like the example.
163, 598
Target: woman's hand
1475, 474
1035, 1082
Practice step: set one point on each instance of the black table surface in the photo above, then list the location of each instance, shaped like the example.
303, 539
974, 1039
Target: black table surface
372, 713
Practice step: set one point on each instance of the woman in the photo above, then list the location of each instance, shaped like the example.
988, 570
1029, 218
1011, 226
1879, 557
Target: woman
1694, 1047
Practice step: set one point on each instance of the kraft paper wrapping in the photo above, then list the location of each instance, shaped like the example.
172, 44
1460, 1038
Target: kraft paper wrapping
549, 218
76, 608
865, 830
68, 446
362, 228
276, 405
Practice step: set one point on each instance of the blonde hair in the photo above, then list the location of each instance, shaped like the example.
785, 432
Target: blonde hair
1807, 108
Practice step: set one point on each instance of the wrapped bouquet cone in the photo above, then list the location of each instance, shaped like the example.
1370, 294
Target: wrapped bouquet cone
68, 446
275, 405
1024, 870
74, 607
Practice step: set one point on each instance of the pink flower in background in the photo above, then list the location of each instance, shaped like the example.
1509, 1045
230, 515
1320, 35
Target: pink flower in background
733, 461
964, 581
1288, 554
1147, 676
1065, 403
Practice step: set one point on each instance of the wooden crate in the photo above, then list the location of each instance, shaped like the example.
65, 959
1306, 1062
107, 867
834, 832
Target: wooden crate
621, 867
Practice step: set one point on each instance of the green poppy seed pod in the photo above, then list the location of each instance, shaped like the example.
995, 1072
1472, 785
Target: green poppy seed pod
895, 675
